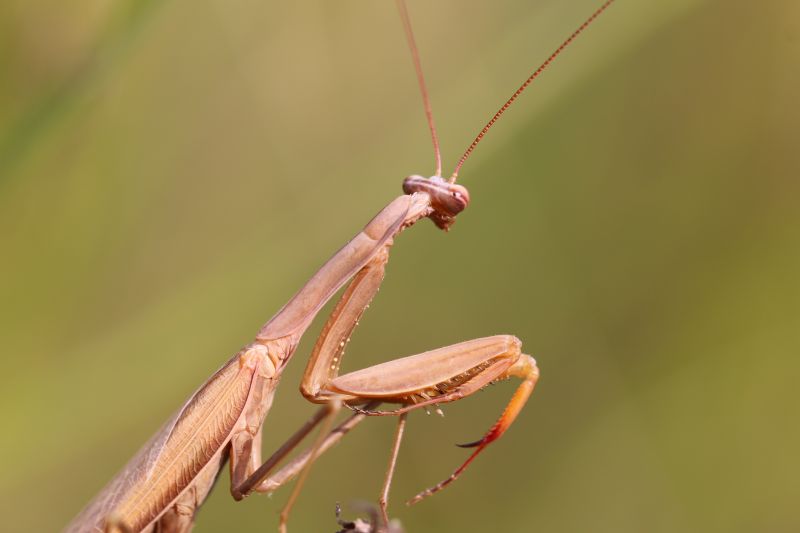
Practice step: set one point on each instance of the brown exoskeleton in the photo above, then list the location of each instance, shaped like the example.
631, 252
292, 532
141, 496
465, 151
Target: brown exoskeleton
162, 487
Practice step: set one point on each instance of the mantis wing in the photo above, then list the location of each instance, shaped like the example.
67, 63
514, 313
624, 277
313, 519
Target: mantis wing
173, 458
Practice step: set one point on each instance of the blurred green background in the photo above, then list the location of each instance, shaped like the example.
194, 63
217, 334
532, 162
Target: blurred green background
171, 172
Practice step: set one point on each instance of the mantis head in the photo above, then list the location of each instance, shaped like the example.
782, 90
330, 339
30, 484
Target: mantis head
447, 199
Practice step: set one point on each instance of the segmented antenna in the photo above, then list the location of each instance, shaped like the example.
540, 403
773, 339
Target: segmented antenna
525, 85
412, 45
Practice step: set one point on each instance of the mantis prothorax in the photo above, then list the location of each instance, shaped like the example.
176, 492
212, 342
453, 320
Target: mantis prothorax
162, 487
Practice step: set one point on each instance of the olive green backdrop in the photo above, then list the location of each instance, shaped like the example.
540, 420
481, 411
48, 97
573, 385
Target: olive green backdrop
171, 172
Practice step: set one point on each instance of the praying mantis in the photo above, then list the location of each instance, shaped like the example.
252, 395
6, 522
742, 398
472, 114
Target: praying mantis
162, 487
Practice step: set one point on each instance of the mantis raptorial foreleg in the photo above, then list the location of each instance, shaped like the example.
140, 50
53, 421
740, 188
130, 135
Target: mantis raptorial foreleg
444, 375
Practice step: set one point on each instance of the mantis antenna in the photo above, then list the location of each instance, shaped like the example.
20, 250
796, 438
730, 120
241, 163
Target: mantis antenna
525, 86
412, 45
